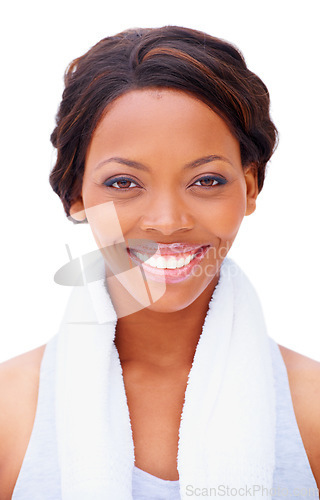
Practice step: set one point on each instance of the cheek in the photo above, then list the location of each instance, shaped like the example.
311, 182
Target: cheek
226, 218
105, 224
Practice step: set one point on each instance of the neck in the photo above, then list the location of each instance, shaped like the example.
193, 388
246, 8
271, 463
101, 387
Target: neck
163, 339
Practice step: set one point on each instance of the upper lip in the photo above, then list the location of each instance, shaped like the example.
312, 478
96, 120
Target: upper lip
152, 248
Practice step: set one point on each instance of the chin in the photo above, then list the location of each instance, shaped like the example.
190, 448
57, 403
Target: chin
178, 296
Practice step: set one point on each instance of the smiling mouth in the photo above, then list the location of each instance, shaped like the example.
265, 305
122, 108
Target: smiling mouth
165, 264
168, 261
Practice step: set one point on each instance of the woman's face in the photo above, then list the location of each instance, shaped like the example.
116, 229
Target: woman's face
165, 167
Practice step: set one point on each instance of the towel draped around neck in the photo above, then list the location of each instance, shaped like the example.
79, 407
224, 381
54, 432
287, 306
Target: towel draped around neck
227, 429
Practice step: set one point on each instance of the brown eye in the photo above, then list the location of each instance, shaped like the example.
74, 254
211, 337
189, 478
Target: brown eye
120, 183
208, 181
123, 183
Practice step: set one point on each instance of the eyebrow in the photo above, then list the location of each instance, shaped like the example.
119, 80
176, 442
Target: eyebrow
141, 166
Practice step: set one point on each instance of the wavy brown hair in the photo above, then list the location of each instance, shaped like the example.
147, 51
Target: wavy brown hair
173, 57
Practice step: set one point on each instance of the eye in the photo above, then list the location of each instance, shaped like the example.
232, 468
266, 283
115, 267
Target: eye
209, 181
120, 183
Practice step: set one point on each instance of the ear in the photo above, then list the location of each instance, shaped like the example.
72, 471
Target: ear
77, 210
251, 179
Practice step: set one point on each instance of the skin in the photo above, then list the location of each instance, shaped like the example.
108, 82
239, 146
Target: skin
164, 130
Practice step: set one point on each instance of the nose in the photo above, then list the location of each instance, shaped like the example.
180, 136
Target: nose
167, 214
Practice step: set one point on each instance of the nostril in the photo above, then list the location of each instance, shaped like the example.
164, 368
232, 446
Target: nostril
166, 222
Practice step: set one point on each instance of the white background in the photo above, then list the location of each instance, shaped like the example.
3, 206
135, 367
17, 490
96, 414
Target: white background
278, 246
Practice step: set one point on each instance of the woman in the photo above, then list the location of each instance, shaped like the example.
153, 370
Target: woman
162, 382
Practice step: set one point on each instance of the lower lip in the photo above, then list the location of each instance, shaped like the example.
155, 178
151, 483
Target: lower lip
170, 275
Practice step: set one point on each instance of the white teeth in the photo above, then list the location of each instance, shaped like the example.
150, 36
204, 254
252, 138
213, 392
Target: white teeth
180, 262
172, 263
188, 259
160, 262
152, 262
165, 262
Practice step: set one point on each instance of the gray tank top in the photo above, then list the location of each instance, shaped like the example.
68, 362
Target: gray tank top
39, 477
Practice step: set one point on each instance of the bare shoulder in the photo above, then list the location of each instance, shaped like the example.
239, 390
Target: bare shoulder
19, 380
304, 381
19, 383
29, 360
304, 377
297, 362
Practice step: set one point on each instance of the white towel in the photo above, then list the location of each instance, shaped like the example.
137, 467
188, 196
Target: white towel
227, 430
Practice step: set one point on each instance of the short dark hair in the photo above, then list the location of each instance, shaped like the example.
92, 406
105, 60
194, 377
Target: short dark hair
172, 57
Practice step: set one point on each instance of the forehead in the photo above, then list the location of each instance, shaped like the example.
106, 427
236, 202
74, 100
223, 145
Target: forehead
161, 122
165, 105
